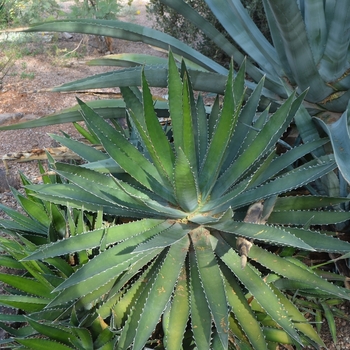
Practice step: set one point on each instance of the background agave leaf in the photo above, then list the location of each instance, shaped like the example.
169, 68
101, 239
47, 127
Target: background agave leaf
133, 32
298, 51
339, 135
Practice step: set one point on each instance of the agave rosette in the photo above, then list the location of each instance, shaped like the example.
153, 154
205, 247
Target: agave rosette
187, 195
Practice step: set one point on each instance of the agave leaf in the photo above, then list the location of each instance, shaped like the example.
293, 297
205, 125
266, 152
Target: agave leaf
105, 166
42, 344
337, 102
213, 117
58, 225
78, 286
278, 42
61, 265
20, 333
280, 163
7, 318
22, 222
219, 141
129, 330
114, 108
185, 183
105, 186
242, 128
121, 299
161, 291
190, 126
339, 135
153, 203
297, 49
316, 28
128, 31
255, 284
150, 130
106, 340
240, 26
320, 241
69, 194
328, 313
334, 61
165, 238
272, 130
176, 102
155, 75
85, 151
212, 281
307, 202
201, 319
277, 336
93, 239
28, 285
242, 310
178, 313
9, 261
123, 153
87, 134
112, 257
26, 303
90, 300
202, 129
310, 217
127, 60
293, 272
288, 181
158, 139
84, 340
298, 318
265, 233
58, 334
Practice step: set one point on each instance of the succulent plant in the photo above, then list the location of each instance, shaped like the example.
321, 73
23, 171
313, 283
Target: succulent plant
192, 214
28, 286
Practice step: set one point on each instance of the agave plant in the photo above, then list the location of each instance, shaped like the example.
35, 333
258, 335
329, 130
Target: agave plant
29, 285
193, 263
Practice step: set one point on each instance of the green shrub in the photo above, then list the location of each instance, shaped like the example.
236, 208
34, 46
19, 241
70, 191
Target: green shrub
104, 9
174, 250
22, 12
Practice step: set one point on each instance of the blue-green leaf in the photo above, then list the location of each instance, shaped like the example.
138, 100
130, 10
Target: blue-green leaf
340, 137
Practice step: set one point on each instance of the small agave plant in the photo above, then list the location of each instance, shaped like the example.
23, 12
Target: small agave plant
28, 286
194, 262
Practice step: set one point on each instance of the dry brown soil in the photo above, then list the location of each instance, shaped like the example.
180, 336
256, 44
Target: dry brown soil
45, 66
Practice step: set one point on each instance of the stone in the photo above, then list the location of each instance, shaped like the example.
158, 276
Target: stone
9, 118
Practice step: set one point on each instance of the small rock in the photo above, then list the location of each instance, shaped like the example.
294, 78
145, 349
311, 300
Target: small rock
28, 117
8, 180
8, 118
67, 35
